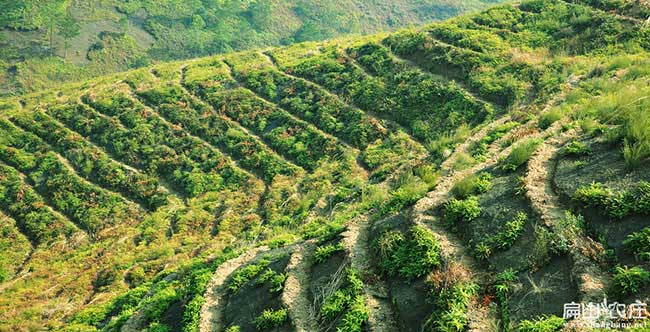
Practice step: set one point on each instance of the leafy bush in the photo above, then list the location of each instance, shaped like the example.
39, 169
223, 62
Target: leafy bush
324, 252
543, 324
348, 301
520, 154
244, 274
355, 317
629, 281
616, 205
638, 243
472, 185
466, 210
270, 319
502, 286
576, 148
410, 256
275, 280
511, 231
453, 302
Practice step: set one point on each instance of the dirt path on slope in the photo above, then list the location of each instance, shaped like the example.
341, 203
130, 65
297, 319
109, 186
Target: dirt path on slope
453, 249
212, 310
592, 281
356, 242
295, 295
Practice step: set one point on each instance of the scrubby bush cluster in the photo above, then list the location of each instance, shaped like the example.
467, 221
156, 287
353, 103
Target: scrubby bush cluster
503, 239
464, 210
270, 319
410, 255
638, 243
615, 204
630, 280
348, 304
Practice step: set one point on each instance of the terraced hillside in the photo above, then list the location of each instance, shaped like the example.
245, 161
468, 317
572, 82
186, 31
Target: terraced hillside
470, 175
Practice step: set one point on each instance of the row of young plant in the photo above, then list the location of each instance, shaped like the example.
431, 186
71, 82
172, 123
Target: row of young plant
306, 101
134, 116
32, 215
471, 50
174, 105
426, 105
633, 9
261, 274
89, 207
394, 93
146, 150
90, 162
615, 204
382, 150
464, 207
303, 144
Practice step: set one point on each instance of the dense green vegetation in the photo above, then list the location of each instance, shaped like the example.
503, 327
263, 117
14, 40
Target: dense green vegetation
47, 41
396, 174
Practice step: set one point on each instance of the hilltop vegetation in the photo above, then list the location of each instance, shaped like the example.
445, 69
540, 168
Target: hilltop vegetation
48, 41
472, 174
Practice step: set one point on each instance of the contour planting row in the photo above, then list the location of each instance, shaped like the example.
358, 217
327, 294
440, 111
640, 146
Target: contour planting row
33, 217
178, 107
297, 140
331, 115
382, 150
417, 101
91, 162
137, 117
177, 158
291, 136
492, 74
88, 206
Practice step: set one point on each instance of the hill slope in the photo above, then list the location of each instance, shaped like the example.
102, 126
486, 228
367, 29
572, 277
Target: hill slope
47, 41
474, 174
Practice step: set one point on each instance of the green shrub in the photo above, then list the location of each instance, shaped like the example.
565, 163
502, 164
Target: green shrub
324, 252
412, 256
576, 148
616, 205
511, 231
335, 304
543, 324
638, 243
234, 328
641, 195
464, 210
348, 301
270, 319
503, 239
472, 185
549, 118
520, 154
275, 280
629, 281
244, 274
453, 302
355, 317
